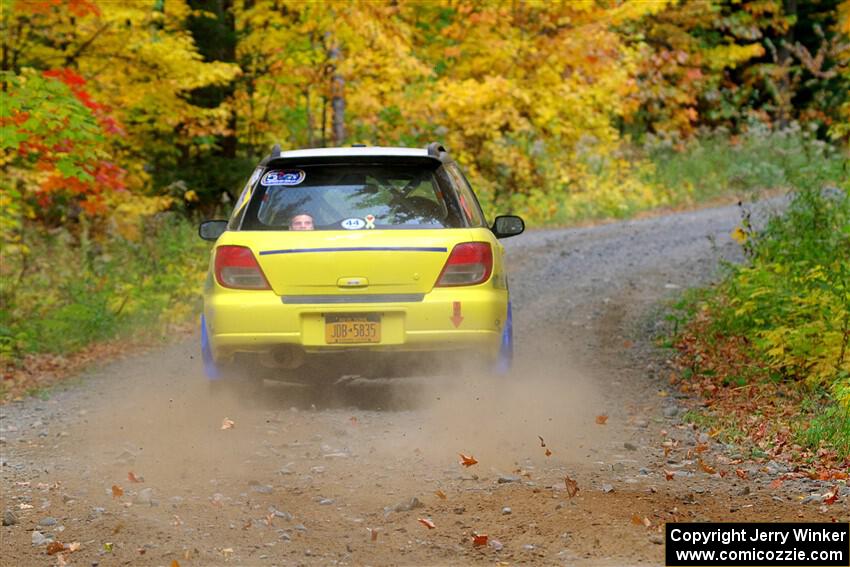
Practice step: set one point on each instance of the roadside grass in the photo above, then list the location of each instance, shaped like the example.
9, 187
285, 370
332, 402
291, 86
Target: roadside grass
718, 164
670, 174
768, 347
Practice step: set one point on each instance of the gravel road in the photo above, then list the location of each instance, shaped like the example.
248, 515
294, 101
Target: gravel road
304, 479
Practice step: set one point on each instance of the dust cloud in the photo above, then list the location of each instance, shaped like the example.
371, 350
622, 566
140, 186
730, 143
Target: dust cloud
164, 424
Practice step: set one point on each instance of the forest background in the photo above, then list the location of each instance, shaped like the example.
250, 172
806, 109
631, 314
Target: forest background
124, 123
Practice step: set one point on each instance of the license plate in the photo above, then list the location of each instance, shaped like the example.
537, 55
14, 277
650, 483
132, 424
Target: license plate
352, 329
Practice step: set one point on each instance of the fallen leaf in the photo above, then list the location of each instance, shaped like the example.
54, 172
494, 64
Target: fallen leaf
227, 552
601, 419
628, 344
742, 474
270, 519
228, 423
175, 563
141, 550
831, 496
776, 484
441, 495
373, 534
426, 522
646, 522
353, 420
701, 448
706, 468
668, 475
54, 547
548, 453
133, 478
248, 524
637, 520
479, 539
117, 491
572, 486
542, 442
467, 461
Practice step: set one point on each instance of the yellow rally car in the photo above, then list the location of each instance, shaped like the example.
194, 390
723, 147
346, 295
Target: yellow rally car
361, 260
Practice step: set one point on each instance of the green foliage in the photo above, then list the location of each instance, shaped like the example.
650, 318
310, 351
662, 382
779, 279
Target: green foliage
793, 299
71, 291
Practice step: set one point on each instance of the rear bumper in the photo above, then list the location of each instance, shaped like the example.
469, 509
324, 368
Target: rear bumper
259, 322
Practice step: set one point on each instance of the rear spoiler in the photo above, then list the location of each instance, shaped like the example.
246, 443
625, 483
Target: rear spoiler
280, 162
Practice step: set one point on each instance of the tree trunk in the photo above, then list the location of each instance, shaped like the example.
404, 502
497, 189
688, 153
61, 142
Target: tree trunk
309, 114
337, 98
324, 121
785, 84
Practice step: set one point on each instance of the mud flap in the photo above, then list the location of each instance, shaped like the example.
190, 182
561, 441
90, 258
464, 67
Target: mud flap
506, 351
210, 368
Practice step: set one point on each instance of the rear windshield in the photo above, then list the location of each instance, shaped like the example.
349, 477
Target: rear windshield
353, 197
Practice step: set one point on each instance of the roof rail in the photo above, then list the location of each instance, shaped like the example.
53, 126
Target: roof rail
435, 148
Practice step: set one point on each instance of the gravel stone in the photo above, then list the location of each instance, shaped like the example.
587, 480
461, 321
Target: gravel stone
506, 478
407, 505
9, 518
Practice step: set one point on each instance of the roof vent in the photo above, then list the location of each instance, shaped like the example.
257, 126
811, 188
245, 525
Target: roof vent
435, 149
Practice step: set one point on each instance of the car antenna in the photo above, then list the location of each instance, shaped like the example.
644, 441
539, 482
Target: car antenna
276, 150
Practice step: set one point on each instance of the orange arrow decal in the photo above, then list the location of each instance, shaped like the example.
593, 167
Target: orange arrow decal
456, 317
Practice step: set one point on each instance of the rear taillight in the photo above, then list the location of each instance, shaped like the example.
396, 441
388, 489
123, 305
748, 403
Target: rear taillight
469, 263
236, 267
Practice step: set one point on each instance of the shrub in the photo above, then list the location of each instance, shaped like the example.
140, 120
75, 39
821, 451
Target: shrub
69, 290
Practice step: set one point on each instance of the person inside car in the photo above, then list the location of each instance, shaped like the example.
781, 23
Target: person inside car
301, 221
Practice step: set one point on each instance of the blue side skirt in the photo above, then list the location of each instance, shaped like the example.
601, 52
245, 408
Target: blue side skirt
506, 351
210, 368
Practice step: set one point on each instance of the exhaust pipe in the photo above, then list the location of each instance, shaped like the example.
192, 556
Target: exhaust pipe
288, 357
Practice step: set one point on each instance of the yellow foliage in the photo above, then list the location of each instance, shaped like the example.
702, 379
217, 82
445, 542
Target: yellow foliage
731, 55
739, 235
131, 210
